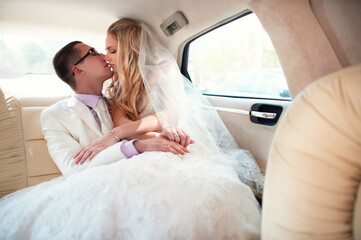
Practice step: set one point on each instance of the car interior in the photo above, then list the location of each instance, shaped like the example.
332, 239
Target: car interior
284, 76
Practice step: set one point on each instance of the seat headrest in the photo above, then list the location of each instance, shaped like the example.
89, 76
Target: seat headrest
314, 166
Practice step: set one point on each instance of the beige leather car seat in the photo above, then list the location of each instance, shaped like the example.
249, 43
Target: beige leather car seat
312, 184
24, 157
12, 153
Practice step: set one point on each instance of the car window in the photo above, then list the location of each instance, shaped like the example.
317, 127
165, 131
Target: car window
236, 59
26, 68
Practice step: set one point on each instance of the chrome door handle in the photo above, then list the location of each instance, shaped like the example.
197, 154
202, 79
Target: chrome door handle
266, 115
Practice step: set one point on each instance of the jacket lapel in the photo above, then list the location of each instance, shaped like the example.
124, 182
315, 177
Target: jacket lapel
83, 112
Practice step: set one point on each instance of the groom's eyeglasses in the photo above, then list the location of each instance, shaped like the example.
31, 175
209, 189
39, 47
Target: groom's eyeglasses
91, 51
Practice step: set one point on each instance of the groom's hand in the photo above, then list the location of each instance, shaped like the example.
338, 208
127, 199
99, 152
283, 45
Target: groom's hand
159, 143
88, 152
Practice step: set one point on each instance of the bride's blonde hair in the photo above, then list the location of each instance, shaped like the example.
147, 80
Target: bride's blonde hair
126, 88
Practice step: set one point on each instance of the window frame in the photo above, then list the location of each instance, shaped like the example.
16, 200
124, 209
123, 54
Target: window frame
185, 57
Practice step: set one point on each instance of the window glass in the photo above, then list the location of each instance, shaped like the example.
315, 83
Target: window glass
26, 68
237, 59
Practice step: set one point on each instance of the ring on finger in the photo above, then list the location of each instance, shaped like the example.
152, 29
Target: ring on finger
175, 135
169, 144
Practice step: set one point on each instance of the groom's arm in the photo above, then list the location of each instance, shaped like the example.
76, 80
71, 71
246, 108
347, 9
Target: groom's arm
63, 146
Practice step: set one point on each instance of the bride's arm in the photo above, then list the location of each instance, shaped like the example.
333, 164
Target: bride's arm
126, 128
145, 128
119, 117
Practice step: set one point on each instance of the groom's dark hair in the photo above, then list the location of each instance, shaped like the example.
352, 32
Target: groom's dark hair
63, 60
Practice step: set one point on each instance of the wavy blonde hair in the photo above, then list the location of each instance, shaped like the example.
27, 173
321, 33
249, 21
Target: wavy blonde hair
126, 88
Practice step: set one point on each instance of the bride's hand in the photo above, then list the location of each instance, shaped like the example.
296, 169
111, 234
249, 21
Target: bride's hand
177, 135
88, 152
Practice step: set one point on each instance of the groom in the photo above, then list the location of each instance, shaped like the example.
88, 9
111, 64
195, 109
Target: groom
71, 124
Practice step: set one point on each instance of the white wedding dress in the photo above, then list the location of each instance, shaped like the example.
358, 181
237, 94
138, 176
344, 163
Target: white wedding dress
151, 196
154, 195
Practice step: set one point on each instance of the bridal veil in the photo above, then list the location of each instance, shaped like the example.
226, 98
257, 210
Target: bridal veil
178, 103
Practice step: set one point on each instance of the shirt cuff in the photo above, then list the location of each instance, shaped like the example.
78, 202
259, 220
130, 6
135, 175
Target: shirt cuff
128, 149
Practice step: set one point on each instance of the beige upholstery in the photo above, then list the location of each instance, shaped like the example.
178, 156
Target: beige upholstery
24, 159
12, 157
303, 48
40, 166
314, 167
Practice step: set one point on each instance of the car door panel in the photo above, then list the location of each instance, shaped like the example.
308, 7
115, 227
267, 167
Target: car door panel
256, 138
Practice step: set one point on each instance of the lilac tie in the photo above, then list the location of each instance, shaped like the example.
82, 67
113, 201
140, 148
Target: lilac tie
95, 116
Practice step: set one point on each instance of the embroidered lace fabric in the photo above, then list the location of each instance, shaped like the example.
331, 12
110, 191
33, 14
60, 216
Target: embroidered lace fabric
154, 195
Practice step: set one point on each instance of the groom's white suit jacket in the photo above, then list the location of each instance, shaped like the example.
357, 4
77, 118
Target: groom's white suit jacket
68, 126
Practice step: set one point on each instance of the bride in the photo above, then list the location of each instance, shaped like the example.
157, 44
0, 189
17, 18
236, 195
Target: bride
203, 194
147, 85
